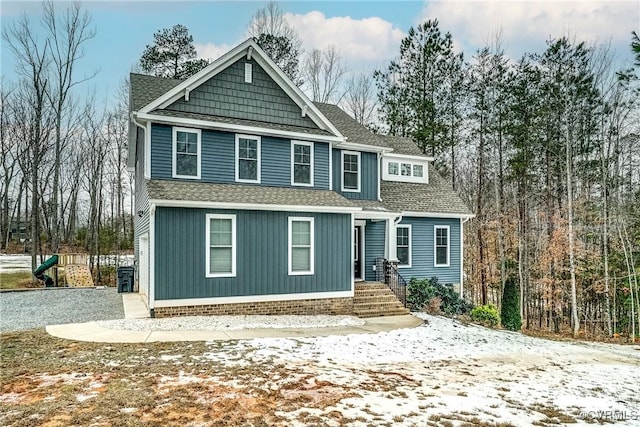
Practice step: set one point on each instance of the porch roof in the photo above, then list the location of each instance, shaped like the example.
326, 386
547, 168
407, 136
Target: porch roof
243, 194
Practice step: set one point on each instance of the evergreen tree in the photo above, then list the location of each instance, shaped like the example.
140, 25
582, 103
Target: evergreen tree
283, 53
172, 54
413, 90
510, 310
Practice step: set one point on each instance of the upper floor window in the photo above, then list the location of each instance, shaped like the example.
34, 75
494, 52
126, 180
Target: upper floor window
350, 171
221, 245
301, 163
247, 158
186, 153
441, 246
409, 169
403, 245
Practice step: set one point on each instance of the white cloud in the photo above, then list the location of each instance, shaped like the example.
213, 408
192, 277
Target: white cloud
367, 40
526, 25
213, 51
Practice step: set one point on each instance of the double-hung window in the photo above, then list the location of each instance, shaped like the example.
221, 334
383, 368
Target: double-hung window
221, 245
441, 245
186, 153
247, 158
301, 247
403, 245
301, 163
350, 171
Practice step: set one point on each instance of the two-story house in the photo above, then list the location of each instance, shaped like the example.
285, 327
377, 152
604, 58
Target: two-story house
250, 198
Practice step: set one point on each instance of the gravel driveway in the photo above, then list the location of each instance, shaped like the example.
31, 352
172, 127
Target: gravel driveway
39, 308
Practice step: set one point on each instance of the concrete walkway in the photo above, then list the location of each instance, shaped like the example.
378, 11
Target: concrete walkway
134, 308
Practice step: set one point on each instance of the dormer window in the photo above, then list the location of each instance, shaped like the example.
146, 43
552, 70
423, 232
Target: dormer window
398, 167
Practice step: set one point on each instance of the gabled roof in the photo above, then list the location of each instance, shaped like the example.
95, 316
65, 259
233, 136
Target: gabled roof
145, 89
250, 49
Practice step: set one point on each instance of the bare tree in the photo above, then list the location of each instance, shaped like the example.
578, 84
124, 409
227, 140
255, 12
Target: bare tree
32, 66
269, 28
67, 34
360, 99
323, 72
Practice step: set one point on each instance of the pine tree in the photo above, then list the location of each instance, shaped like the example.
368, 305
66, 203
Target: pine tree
510, 310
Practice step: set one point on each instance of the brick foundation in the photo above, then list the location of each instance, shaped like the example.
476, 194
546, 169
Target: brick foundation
305, 306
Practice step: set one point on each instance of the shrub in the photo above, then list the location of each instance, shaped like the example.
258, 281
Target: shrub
421, 294
486, 315
510, 310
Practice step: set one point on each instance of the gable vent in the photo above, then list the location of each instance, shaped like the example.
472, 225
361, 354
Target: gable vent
248, 72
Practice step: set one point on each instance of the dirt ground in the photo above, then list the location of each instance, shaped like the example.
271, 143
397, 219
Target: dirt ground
442, 374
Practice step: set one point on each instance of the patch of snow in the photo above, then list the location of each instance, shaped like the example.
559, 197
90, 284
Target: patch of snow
128, 410
454, 371
227, 323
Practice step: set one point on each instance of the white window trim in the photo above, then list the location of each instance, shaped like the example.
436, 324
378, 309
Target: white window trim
350, 190
435, 258
312, 255
258, 154
309, 144
408, 226
209, 217
386, 176
174, 152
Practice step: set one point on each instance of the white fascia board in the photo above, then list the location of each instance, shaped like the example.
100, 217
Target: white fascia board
375, 215
252, 206
253, 298
362, 147
437, 215
408, 157
253, 130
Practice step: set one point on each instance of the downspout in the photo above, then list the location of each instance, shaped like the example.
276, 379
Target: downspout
379, 175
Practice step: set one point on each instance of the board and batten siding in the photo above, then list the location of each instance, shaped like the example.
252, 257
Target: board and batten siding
374, 238
218, 158
422, 250
262, 255
228, 95
368, 176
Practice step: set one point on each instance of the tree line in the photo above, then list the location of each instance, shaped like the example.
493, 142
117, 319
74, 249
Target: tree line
64, 183
546, 151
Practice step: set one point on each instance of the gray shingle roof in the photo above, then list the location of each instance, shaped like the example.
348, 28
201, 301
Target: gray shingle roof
348, 126
435, 197
244, 194
145, 89
241, 122
400, 145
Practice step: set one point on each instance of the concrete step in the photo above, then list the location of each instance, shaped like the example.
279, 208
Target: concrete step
381, 313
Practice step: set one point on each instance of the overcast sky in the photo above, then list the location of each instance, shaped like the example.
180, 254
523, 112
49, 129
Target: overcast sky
367, 33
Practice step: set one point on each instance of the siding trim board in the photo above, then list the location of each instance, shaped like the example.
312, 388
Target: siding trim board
228, 127
253, 298
255, 207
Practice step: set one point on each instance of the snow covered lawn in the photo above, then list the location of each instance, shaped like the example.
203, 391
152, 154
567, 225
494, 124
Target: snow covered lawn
443, 373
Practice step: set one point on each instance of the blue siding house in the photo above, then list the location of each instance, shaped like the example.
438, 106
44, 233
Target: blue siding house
250, 198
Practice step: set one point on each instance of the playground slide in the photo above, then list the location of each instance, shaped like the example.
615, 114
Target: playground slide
39, 272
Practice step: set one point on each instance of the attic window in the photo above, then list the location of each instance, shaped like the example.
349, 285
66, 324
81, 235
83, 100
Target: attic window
248, 72
405, 169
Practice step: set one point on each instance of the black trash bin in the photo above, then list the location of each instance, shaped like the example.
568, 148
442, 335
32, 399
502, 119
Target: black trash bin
125, 279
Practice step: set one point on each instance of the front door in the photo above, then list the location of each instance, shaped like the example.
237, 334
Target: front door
357, 252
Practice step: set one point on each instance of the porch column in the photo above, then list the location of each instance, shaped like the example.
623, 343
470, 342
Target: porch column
392, 253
